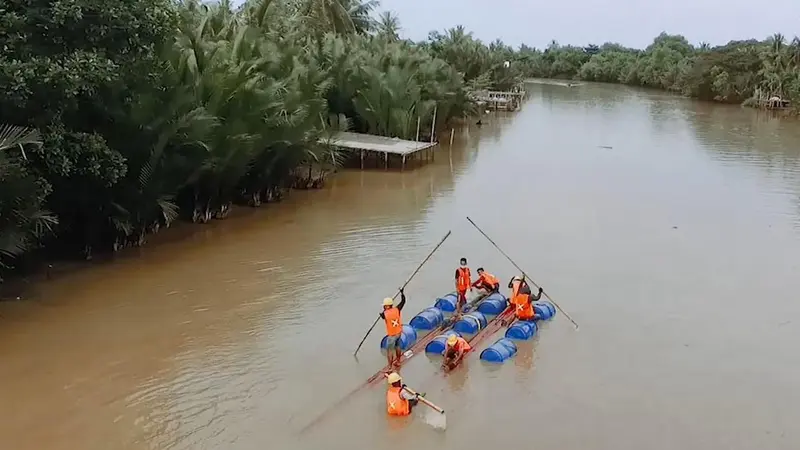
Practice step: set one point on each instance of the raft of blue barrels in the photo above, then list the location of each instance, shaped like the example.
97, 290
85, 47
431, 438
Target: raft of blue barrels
505, 347
432, 317
471, 322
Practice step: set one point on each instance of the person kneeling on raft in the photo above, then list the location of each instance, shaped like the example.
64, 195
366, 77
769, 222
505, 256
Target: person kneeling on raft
400, 402
522, 299
486, 281
394, 327
456, 347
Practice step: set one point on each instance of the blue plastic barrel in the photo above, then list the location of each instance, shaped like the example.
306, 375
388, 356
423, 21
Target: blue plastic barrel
499, 351
493, 304
470, 323
439, 343
545, 310
521, 330
550, 306
541, 311
407, 338
447, 303
428, 319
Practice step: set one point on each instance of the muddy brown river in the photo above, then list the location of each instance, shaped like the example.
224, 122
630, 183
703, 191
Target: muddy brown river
668, 228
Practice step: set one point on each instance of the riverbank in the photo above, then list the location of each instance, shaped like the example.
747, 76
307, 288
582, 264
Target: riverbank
249, 93
43, 265
741, 72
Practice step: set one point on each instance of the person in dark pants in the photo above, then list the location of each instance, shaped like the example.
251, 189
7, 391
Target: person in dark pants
394, 327
463, 283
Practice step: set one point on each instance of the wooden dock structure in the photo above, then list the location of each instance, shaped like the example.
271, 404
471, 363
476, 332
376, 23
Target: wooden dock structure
774, 101
497, 100
371, 147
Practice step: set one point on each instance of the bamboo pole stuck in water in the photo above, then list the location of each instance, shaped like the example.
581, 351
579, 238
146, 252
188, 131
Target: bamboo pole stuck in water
433, 125
452, 134
418, 122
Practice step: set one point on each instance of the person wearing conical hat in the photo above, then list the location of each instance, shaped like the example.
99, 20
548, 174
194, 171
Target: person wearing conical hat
394, 327
399, 401
454, 351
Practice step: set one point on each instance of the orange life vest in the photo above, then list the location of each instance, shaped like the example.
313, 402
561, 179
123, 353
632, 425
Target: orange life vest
394, 323
464, 280
489, 279
522, 307
396, 405
461, 345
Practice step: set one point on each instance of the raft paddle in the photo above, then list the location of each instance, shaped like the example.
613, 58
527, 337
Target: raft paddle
523, 272
404, 286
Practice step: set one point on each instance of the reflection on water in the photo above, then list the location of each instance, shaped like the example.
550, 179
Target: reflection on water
667, 228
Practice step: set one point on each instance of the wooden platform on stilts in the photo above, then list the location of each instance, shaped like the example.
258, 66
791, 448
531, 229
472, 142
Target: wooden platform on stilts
370, 147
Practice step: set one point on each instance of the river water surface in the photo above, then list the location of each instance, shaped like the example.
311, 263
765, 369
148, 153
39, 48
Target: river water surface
669, 229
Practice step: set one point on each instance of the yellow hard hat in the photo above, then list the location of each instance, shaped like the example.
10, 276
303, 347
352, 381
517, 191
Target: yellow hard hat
388, 302
452, 340
393, 378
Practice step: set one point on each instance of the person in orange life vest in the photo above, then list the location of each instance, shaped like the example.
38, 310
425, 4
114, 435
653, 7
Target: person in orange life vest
456, 347
399, 402
486, 281
394, 327
522, 299
463, 283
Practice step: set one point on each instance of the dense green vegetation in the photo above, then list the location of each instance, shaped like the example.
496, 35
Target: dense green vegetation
740, 71
124, 116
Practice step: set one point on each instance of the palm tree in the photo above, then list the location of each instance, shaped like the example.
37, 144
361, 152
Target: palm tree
340, 16
22, 220
388, 26
360, 13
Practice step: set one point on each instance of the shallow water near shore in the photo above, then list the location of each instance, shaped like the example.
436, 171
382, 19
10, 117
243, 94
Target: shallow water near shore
668, 228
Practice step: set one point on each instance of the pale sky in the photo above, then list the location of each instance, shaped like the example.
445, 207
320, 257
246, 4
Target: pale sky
629, 22
579, 22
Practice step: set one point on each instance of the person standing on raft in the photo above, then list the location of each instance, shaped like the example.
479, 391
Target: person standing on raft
394, 327
463, 283
522, 299
486, 281
399, 402
456, 347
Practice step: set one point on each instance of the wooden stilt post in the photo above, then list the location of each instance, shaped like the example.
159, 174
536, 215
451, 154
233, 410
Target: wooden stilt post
433, 125
418, 122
